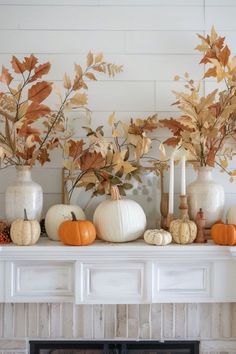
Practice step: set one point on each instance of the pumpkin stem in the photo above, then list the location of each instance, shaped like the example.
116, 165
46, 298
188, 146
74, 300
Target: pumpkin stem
73, 216
115, 194
25, 215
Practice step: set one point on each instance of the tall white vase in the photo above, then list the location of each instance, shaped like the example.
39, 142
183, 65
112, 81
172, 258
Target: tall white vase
23, 194
205, 193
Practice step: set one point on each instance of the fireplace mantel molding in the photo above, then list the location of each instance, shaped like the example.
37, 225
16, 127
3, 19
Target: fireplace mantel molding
108, 273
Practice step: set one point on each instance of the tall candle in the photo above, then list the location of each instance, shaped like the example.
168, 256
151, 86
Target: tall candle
171, 186
183, 175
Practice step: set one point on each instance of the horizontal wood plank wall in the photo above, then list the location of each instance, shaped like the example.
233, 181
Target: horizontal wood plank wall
154, 40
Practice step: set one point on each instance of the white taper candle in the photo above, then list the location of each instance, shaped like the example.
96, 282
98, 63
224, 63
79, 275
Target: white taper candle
171, 186
183, 175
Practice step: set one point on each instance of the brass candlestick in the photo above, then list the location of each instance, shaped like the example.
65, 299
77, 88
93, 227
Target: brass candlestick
183, 207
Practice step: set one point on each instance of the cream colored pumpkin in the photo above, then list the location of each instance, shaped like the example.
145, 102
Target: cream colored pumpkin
157, 237
25, 232
231, 215
183, 231
119, 220
59, 213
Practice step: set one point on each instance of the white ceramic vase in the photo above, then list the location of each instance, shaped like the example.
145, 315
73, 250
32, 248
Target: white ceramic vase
23, 194
205, 193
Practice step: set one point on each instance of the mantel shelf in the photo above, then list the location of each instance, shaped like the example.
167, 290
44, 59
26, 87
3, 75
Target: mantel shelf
110, 273
138, 249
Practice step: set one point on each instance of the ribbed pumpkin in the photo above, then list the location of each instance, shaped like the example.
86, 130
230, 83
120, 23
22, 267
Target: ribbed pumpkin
183, 230
25, 232
77, 232
119, 220
224, 234
157, 237
58, 213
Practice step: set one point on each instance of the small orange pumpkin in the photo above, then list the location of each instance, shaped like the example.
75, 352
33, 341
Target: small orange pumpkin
224, 234
77, 232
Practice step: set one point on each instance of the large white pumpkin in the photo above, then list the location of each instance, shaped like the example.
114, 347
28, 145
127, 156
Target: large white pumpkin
59, 213
231, 215
119, 220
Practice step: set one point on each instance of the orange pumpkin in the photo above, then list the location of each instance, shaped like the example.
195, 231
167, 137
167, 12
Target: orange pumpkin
77, 232
224, 234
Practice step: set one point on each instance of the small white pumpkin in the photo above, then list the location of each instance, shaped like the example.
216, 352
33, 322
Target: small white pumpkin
59, 213
119, 220
183, 230
157, 237
25, 232
231, 215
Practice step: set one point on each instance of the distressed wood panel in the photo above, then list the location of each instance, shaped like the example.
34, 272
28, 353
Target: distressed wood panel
44, 320
109, 321
180, 321
168, 324
55, 320
32, 320
98, 321
121, 321
144, 321
156, 321
67, 320
133, 321
20, 320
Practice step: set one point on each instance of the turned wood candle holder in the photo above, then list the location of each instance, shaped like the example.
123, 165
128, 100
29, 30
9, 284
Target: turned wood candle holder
183, 207
169, 218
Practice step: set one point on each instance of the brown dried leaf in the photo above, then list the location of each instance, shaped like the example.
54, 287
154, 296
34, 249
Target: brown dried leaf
5, 77
92, 160
43, 156
224, 56
36, 110
17, 65
40, 91
67, 82
30, 62
79, 99
210, 72
89, 59
40, 70
91, 76
173, 141
75, 148
78, 70
99, 58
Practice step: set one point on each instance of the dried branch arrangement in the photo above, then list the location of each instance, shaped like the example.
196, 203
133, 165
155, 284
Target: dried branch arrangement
31, 128
99, 163
207, 125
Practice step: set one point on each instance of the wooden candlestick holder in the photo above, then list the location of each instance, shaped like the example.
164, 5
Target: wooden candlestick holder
169, 218
183, 207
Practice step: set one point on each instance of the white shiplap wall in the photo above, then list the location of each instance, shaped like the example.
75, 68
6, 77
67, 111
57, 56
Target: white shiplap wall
153, 39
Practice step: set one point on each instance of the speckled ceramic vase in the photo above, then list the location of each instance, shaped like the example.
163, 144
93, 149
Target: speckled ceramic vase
205, 193
23, 194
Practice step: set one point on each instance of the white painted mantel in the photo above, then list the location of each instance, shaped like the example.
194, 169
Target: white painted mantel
106, 273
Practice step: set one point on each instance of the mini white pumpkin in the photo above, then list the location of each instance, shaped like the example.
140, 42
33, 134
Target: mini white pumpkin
231, 215
25, 232
183, 230
119, 220
157, 237
59, 213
